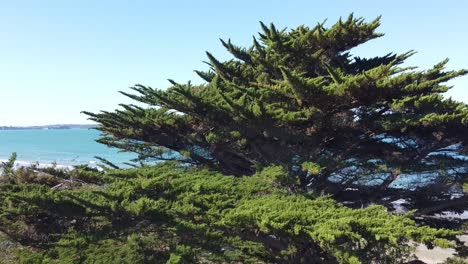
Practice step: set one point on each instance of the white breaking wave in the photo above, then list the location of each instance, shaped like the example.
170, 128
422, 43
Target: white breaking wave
24, 164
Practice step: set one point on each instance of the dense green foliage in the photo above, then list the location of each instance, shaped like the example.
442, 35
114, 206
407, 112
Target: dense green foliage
299, 99
174, 214
303, 121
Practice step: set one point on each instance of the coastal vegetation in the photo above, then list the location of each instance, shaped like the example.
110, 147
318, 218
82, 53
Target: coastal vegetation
360, 129
178, 214
291, 152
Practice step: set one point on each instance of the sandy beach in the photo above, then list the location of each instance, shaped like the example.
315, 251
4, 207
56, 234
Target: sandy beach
437, 255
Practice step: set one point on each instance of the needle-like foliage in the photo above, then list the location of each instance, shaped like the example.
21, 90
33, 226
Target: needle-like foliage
173, 214
299, 99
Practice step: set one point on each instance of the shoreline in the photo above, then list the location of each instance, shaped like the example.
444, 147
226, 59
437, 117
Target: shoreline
50, 127
42, 165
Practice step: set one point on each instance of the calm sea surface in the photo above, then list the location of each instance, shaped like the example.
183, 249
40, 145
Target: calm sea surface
63, 146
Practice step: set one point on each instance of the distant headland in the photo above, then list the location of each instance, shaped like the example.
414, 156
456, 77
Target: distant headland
58, 126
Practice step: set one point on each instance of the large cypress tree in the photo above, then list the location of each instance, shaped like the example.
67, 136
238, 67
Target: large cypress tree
299, 99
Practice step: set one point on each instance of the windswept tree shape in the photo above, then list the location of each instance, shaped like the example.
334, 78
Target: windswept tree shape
297, 114
299, 99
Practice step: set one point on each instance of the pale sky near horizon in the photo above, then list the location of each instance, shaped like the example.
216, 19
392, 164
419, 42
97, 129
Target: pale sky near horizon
58, 58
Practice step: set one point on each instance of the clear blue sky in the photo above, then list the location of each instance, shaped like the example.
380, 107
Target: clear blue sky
58, 58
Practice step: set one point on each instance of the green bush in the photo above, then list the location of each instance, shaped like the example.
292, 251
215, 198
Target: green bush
175, 214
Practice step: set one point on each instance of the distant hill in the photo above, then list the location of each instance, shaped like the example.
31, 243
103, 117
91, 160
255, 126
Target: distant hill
59, 126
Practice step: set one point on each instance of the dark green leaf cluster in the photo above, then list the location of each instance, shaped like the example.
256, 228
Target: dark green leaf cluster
176, 214
299, 96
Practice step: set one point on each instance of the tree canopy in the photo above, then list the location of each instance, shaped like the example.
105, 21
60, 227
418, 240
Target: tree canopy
299, 99
263, 163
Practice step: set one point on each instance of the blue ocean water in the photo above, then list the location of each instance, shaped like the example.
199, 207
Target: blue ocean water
62, 146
